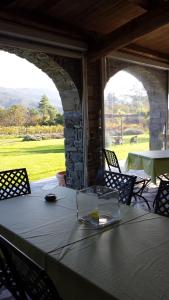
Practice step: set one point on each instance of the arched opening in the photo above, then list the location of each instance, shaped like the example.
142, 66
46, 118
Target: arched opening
155, 83
127, 114
31, 119
71, 108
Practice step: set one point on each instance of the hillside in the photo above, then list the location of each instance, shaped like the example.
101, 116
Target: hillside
28, 97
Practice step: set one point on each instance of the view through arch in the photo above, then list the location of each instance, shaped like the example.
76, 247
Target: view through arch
126, 114
31, 119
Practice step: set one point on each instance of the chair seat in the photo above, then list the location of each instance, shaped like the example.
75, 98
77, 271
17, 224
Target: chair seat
141, 180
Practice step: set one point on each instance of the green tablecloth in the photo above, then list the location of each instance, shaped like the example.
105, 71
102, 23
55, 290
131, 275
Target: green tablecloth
154, 163
120, 262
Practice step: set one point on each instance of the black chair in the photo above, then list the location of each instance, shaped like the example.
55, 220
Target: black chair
140, 183
133, 139
14, 183
25, 279
161, 201
118, 181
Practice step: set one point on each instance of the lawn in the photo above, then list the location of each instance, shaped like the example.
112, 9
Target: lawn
42, 159
122, 150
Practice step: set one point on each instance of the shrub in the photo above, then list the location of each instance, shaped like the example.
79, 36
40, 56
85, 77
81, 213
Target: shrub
133, 131
44, 136
28, 137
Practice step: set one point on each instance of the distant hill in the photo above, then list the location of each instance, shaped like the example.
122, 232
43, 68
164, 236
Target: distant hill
28, 97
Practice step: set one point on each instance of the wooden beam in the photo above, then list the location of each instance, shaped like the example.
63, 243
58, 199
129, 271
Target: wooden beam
133, 48
9, 42
147, 4
46, 5
40, 20
129, 32
141, 3
5, 3
18, 31
138, 59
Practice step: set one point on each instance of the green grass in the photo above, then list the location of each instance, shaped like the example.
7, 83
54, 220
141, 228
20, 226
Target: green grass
42, 159
122, 150
45, 158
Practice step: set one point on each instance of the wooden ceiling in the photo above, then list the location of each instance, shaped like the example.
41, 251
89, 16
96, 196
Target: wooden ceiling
98, 27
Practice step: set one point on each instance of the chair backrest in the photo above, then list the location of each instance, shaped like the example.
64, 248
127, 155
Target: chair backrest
111, 159
133, 139
29, 279
120, 182
161, 202
14, 183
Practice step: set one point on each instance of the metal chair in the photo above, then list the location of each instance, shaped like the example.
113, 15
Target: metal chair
25, 279
161, 201
140, 183
133, 139
118, 181
14, 183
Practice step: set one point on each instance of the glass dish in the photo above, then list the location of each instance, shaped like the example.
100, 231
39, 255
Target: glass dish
98, 206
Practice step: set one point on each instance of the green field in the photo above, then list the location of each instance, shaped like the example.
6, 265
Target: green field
44, 158
122, 150
41, 158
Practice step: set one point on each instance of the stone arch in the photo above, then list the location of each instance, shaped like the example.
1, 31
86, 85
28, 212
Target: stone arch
155, 84
71, 106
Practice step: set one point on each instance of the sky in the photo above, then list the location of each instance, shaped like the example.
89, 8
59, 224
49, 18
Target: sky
16, 72
123, 83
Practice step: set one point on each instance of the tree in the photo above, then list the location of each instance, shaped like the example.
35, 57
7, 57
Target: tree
16, 115
33, 117
52, 111
59, 119
49, 112
43, 107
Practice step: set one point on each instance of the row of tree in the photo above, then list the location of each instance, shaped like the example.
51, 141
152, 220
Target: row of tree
19, 115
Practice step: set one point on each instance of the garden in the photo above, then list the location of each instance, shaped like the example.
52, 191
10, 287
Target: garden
44, 158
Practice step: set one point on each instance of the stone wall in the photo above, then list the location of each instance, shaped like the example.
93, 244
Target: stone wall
66, 73
155, 84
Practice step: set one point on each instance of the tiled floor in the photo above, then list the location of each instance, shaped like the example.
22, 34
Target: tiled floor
149, 195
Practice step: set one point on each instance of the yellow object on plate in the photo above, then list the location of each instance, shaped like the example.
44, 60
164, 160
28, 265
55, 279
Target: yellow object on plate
94, 214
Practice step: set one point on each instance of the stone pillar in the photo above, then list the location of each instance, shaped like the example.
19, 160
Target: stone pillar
94, 117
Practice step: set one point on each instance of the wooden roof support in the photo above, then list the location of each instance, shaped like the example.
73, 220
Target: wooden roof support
129, 32
29, 34
5, 3
147, 4
153, 54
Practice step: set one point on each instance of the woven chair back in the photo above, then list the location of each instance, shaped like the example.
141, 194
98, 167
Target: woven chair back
111, 160
161, 201
14, 183
123, 183
27, 277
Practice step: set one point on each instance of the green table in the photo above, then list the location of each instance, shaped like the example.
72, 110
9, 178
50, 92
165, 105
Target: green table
124, 261
154, 163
